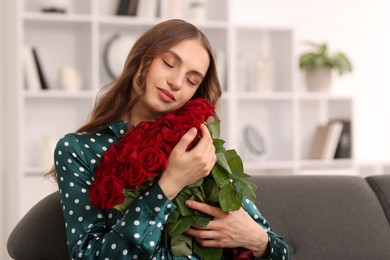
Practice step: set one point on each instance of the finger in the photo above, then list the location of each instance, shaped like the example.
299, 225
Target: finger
205, 208
185, 140
205, 141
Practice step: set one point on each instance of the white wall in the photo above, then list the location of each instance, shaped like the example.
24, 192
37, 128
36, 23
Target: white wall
2, 101
360, 28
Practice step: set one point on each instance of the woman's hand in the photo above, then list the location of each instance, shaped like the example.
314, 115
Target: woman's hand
229, 230
187, 167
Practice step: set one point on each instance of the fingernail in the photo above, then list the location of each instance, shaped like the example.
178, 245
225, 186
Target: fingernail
188, 203
193, 131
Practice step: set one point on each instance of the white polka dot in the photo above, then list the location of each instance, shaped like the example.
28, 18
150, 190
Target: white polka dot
137, 209
104, 148
86, 146
70, 212
83, 190
159, 196
124, 252
147, 193
110, 140
66, 143
76, 174
152, 222
81, 169
93, 161
110, 216
159, 224
97, 253
135, 256
169, 206
71, 184
66, 195
80, 255
157, 209
136, 222
88, 207
151, 243
99, 215
113, 246
88, 182
80, 219
76, 201
92, 140
69, 161
59, 152
136, 235
98, 134
122, 131
64, 168
73, 230
123, 223
74, 155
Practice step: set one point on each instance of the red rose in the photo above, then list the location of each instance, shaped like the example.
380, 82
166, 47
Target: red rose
107, 193
134, 175
152, 159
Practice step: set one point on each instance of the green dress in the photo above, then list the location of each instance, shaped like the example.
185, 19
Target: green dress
108, 234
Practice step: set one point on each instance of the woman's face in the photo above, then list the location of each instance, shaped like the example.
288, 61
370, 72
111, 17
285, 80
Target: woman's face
172, 79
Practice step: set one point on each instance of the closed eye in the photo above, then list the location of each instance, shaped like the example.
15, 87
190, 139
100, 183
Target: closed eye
170, 65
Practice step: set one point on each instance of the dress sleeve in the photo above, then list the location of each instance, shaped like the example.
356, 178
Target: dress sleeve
278, 248
93, 233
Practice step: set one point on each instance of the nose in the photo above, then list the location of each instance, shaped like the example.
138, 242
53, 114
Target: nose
175, 81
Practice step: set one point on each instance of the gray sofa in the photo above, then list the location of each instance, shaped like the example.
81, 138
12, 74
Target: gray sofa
320, 217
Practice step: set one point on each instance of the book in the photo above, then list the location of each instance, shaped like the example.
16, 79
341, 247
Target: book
31, 75
344, 147
326, 140
318, 142
42, 78
332, 139
123, 7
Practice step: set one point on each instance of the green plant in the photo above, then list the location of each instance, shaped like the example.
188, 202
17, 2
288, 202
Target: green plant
320, 57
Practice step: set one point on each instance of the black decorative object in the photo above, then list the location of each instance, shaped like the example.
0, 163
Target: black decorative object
41, 75
254, 142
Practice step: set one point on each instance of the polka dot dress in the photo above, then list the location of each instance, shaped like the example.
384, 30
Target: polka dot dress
108, 234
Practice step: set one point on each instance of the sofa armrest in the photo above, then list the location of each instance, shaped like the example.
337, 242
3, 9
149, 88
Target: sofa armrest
380, 184
40, 234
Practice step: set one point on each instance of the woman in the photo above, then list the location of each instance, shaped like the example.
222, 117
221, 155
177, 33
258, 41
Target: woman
170, 64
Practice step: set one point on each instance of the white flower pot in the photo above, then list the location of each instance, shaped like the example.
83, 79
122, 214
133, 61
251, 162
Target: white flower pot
319, 79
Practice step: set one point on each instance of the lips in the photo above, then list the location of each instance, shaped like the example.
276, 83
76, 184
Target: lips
166, 95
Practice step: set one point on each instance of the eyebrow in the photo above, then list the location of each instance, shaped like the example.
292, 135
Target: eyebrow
181, 61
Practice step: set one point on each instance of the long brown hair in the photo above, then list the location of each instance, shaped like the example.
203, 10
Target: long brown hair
113, 101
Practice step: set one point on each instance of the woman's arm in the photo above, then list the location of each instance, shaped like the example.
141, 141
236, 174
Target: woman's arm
92, 232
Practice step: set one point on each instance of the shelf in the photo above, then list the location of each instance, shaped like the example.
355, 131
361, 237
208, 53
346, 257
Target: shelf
52, 17
59, 94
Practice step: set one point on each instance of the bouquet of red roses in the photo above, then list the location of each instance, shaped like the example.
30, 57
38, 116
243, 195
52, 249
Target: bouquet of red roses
135, 163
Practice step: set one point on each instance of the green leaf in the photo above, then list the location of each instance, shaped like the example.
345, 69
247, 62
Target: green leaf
211, 190
201, 220
207, 253
220, 175
180, 200
214, 128
181, 245
180, 226
229, 198
234, 160
247, 188
218, 144
221, 160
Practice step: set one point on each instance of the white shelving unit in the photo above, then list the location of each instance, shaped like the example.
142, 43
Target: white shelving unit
286, 118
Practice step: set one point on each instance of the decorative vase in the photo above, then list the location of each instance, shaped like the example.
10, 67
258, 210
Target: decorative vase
319, 79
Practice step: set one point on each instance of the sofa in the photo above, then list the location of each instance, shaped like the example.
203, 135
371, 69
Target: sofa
320, 217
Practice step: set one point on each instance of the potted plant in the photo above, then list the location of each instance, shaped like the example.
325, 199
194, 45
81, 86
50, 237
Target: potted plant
319, 63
